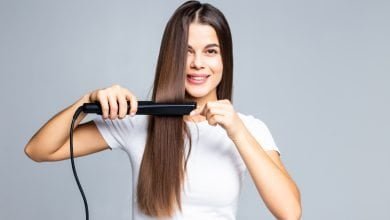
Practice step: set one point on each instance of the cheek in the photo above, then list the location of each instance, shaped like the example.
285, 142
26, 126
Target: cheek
216, 65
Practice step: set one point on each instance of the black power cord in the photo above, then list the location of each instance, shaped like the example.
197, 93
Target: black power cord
75, 116
144, 108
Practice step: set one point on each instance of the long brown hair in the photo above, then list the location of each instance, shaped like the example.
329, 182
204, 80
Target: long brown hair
161, 175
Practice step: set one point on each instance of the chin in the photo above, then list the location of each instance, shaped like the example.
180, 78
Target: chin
197, 94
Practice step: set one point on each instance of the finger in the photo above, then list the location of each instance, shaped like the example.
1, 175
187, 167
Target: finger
122, 106
215, 120
133, 103
215, 111
213, 104
209, 105
195, 112
226, 104
113, 106
205, 108
103, 100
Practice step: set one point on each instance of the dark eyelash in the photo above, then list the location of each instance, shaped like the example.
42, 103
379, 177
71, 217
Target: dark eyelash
212, 50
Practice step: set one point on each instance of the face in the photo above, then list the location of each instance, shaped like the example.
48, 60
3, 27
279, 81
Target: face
204, 63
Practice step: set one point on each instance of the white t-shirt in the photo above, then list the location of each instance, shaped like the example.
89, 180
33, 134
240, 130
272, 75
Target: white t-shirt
215, 169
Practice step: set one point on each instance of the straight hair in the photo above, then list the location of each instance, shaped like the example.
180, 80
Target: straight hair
163, 167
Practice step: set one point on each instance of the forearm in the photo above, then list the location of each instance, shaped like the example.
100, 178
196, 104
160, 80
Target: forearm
53, 134
277, 189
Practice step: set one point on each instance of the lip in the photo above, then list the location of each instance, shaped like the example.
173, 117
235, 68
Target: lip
197, 82
198, 74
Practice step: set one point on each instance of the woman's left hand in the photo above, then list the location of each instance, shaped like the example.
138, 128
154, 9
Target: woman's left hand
221, 112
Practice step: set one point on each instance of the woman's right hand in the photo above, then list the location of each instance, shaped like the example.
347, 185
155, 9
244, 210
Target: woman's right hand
115, 98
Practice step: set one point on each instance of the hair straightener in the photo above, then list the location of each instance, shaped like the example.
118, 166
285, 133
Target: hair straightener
144, 108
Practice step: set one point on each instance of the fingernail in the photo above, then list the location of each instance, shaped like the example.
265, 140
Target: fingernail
132, 114
192, 113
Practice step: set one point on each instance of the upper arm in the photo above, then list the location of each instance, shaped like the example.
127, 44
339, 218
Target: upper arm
86, 140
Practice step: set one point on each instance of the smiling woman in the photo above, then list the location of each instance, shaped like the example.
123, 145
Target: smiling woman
195, 63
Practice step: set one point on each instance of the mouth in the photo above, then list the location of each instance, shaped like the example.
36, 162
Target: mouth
197, 79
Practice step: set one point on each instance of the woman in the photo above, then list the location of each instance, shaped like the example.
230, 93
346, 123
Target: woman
188, 167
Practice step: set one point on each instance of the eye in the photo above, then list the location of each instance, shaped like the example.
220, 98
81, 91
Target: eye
212, 51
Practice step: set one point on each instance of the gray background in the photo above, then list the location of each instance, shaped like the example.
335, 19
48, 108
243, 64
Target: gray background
316, 72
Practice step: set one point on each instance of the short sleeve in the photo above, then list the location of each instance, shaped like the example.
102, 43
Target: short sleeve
111, 131
261, 133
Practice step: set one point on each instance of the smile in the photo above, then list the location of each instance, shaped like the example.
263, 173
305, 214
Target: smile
197, 79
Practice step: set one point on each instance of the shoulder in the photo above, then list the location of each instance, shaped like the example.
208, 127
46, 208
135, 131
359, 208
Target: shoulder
260, 131
250, 120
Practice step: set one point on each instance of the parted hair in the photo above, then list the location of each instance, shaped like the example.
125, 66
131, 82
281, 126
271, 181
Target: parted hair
163, 166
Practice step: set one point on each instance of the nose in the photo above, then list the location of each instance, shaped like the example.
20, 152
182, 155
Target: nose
197, 61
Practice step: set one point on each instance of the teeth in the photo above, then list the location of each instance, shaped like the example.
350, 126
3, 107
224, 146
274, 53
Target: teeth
198, 78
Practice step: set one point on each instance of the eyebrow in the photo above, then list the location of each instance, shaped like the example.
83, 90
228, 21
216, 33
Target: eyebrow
207, 46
